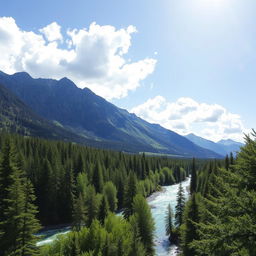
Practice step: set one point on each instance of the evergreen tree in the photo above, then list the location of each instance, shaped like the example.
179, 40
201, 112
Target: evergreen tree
193, 181
79, 213
103, 209
81, 183
110, 192
5, 177
231, 158
91, 205
30, 225
180, 206
18, 222
145, 223
227, 162
189, 230
131, 190
97, 178
169, 223
227, 212
137, 247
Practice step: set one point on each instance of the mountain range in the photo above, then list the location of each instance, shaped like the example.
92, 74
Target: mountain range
222, 147
58, 109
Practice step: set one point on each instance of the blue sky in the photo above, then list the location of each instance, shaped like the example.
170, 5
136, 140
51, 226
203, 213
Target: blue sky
197, 57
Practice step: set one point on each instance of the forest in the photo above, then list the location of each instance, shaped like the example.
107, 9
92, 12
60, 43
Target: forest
219, 217
46, 183
49, 183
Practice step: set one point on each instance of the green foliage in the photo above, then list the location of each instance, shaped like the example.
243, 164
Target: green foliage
145, 223
79, 213
180, 206
17, 221
116, 238
111, 194
189, 228
169, 222
63, 176
91, 204
193, 183
221, 219
131, 190
97, 178
103, 209
61, 171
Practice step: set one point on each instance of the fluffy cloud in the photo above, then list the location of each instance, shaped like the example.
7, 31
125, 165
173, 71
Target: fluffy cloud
186, 115
52, 32
93, 57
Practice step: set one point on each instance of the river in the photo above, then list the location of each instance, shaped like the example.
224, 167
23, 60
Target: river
158, 202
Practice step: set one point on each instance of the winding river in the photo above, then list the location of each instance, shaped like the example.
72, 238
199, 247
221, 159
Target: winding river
158, 202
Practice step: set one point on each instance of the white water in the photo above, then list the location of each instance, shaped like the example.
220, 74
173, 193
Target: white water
158, 202
51, 235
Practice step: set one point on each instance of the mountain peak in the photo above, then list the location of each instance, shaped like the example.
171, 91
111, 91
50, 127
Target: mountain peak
23, 75
228, 142
66, 82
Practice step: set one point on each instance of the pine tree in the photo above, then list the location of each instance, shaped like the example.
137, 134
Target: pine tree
110, 192
180, 206
231, 158
227, 162
79, 213
18, 222
189, 232
81, 183
137, 247
145, 223
193, 182
97, 178
169, 222
5, 177
91, 205
30, 225
103, 209
131, 189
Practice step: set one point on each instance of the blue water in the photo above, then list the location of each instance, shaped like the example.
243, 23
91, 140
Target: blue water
158, 202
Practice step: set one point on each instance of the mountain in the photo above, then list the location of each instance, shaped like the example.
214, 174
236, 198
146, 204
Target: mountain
230, 145
16, 117
92, 117
229, 142
222, 147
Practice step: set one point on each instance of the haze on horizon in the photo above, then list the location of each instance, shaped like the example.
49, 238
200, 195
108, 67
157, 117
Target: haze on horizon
187, 65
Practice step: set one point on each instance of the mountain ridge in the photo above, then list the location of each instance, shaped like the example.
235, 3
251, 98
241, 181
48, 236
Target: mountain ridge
222, 147
90, 116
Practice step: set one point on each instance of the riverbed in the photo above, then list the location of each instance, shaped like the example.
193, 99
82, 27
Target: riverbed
158, 202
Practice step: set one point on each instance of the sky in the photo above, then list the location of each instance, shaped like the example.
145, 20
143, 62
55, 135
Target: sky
188, 65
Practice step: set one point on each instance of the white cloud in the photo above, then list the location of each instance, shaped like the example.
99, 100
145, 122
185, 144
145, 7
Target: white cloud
52, 32
93, 57
185, 115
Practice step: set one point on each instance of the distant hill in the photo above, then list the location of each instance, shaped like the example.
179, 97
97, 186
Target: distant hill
89, 116
230, 145
222, 147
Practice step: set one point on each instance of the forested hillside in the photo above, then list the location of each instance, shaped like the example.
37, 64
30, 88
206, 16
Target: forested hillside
219, 219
